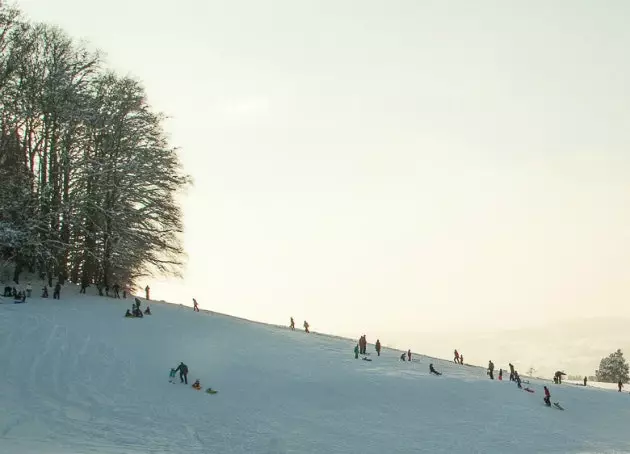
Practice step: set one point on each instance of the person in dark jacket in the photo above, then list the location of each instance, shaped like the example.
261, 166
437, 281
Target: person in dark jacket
183, 372
57, 292
378, 347
147, 311
585, 380
433, 371
491, 370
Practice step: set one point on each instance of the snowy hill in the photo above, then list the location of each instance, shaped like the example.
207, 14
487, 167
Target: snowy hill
77, 377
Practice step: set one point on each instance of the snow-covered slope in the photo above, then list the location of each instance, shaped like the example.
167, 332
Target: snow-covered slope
77, 377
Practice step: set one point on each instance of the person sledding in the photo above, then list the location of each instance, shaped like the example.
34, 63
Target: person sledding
128, 313
402, 357
378, 347
517, 379
183, 372
547, 397
147, 311
137, 312
433, 371
197, 385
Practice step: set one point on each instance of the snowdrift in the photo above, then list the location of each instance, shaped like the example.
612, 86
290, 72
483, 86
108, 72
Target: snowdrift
77, 377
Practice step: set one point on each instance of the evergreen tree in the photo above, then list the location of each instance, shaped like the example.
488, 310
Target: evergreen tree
613, 368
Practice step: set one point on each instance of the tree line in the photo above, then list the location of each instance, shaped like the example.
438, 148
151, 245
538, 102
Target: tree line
88, 180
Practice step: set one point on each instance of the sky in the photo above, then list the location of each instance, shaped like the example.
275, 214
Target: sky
394, 168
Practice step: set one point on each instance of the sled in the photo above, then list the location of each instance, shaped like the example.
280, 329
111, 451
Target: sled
365, 358
211, 391
529, 390
557, 405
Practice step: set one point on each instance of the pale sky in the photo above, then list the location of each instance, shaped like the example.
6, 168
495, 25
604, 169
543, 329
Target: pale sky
389, 167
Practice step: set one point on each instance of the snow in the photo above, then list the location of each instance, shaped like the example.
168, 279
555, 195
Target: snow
77, 377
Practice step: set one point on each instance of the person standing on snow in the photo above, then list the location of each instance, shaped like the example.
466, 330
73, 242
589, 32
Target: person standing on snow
57, 292
195, 305
146, 291
183, 372
306, 325
491, 369
409, 354
585, 380
356, 351
501, 374
547, 397
292, 324
511, 372
456, 358
620, 385
378, 347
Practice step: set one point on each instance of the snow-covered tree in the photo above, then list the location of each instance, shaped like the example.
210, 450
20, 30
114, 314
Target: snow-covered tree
613, 368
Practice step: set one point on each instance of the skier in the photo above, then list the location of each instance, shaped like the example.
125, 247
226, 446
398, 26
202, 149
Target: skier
620, 385
292, 325
378, 347
306, 325
456, 358
183, 372
491, 369
585, 380
511, 372
433, 371
147, 290
500, 374
57, 292
171, 375
547, 397
195, 305
409, 354
402, 357
356, 351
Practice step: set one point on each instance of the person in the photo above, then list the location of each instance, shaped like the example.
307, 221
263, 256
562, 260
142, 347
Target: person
146, 290
137, 312
517, 378
57, 292
409, 354
29, 289
183, 372
558, 377
197, 385
84, 286
195, 305
147, 311
456, 358
356, 351
501, 374
402, 357
620, 385
292, 324
585, 380
491, 369
461, 359
128, 313
433, 371
45, 292
137, 302
378, 347
547, 397
511, 372
7, 291
116, 291
171, 376
306, 325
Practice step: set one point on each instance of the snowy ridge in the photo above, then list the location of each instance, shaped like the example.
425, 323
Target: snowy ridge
77, 377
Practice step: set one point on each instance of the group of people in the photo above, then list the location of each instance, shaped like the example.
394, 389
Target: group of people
136, 311
292, 325
458, 358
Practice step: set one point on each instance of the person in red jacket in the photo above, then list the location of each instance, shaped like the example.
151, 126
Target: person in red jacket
547, 398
